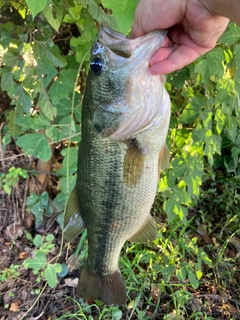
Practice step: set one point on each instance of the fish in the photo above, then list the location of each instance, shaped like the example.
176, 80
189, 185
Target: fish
125, 120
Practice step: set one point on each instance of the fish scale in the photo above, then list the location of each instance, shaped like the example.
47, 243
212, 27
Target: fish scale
125, 118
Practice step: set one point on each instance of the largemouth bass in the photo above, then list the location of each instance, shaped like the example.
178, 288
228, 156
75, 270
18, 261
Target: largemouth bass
125, 119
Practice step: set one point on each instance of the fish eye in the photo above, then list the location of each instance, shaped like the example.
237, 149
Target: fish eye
96, 65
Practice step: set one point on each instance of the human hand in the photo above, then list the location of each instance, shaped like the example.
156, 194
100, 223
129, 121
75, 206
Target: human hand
193, 31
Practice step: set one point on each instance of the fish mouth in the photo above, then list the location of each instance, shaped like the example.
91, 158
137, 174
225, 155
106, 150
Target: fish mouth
124, 47
115, 41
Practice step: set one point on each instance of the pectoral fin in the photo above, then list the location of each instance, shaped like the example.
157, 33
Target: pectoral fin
73, 222
133, 163
147, 232
163, 160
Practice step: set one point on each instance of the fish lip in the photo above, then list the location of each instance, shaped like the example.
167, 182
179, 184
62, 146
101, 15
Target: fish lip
125, 47
123, 51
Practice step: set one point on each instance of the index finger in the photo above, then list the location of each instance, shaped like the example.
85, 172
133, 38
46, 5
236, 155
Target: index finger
167, 60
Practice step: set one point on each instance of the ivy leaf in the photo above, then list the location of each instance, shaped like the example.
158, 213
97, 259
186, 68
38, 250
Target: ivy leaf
36, 145
50, 274
123, 10
36, 263
36, 6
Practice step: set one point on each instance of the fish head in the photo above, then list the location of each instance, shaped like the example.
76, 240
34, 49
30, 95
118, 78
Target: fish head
124, 99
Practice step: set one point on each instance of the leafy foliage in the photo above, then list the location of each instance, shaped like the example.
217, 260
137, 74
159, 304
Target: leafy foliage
9, 180
39, 262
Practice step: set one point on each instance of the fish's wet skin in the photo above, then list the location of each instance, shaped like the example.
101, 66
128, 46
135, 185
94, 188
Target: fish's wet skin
125, 119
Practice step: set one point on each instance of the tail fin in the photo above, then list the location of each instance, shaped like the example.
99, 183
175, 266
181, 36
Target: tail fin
110, 289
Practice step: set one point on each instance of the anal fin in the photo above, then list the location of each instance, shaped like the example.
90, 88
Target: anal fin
147, 233
73, 223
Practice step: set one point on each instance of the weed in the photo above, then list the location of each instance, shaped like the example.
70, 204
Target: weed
10, 179
10, 273
41, 267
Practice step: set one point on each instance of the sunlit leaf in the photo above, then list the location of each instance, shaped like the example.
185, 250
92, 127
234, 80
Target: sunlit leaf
39, 261
36, 6
50, 273
123, 10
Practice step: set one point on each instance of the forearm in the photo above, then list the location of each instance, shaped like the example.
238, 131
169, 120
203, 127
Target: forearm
226, 8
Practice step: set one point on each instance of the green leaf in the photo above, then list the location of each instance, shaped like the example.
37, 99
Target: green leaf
37, 241
37, 210
173, 209
50, 55
32, 199
6, 139
15, 129
36, 6
58, 91
210, 65
23, 100
7, 189
179, 77
54, 134
50, 273
36, 263
181, 273
49, 237
11, 57
215, 59
190, 113
124, 11
231, 35
97, 13
220, 119
36, 145
5, 38
193, 280
54, 14
46, 106
232, 127
6, 79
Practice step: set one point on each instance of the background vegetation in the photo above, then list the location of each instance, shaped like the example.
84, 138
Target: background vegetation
192, 271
